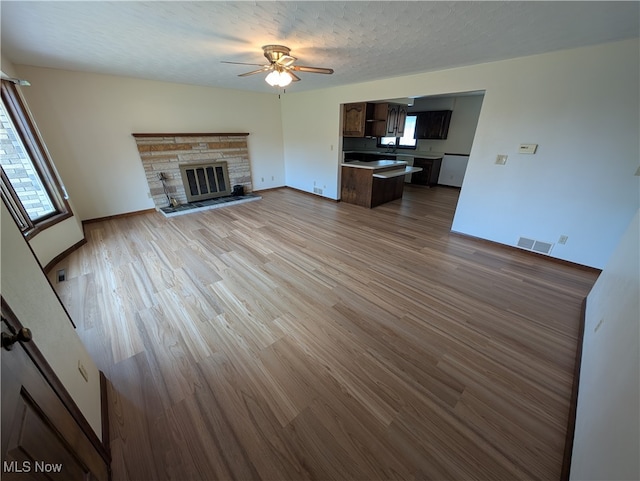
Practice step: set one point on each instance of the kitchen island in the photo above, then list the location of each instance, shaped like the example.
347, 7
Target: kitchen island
373, 183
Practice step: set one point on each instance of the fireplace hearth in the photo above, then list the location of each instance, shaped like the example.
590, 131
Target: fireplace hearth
199, 206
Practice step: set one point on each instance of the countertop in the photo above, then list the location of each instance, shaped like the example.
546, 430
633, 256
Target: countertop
375, 164
384, 169
388, 174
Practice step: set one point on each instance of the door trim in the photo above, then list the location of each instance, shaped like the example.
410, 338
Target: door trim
104, 411
52, 379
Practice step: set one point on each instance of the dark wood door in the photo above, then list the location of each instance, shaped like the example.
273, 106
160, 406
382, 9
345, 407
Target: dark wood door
40, 438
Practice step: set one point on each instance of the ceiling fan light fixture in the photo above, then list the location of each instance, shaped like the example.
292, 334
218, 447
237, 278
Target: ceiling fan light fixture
278, 79
281, 67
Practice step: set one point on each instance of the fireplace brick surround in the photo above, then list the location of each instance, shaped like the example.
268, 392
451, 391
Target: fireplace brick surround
164, 153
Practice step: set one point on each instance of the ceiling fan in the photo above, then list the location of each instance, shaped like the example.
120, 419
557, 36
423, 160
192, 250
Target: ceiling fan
281, 66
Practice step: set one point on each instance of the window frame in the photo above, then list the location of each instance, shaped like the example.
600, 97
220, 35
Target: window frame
37, 152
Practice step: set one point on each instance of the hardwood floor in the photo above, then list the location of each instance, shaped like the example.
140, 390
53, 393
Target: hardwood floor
298, 338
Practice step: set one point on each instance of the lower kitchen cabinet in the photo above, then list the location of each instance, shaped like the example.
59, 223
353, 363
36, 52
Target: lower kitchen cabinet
386, 190
430, 171
372, 185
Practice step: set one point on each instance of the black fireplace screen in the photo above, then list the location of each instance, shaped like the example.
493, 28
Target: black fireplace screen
205, 181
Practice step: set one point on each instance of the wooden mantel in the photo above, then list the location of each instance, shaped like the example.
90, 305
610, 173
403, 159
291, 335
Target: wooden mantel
193, 134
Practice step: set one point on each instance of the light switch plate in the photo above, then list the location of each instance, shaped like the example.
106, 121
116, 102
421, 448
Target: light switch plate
501, 159
527, 148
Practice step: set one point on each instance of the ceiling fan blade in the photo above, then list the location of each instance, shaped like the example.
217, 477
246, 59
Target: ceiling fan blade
253, 72
294, 77
301, 68
244, 63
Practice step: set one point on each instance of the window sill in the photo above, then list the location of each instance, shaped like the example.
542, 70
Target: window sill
45, 224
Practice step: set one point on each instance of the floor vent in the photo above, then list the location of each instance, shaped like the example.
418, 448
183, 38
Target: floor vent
534, 245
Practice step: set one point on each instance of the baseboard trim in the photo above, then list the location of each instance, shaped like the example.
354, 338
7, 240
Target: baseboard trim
270, 189
573, 406
118, 216
533, 253
63, 254
317, 196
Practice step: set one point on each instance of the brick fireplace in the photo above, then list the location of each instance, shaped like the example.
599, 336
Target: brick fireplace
163, 154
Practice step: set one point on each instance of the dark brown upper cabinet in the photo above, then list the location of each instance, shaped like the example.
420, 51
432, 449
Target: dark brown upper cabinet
396, 117
354, 119
433, 124
364, 119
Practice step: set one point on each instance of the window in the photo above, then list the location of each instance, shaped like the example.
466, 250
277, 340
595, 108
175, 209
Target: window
407, 141
30, 187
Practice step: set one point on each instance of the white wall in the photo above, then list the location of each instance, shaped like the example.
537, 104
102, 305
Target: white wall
452, 170
51, 242
30, 296
607, 435
580, 106
462, 129
56, 239
312, 148
87, 121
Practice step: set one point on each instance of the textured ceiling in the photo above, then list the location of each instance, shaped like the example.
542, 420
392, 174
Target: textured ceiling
185, 41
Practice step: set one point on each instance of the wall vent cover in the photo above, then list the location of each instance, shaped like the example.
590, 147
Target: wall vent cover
526, 243
542, 247
534, 245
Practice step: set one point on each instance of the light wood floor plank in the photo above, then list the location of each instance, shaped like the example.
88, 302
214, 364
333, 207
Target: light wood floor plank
296, 338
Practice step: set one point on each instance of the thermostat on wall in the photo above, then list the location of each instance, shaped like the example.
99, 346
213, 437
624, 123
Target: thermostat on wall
528, 148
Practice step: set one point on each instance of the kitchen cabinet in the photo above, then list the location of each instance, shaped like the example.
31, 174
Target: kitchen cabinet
369, 184
364, 119
429, 173
354, 119
396, 117
377, 124
433, 124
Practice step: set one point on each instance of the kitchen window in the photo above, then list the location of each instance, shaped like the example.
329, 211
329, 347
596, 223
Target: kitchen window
407, 141
30, 188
